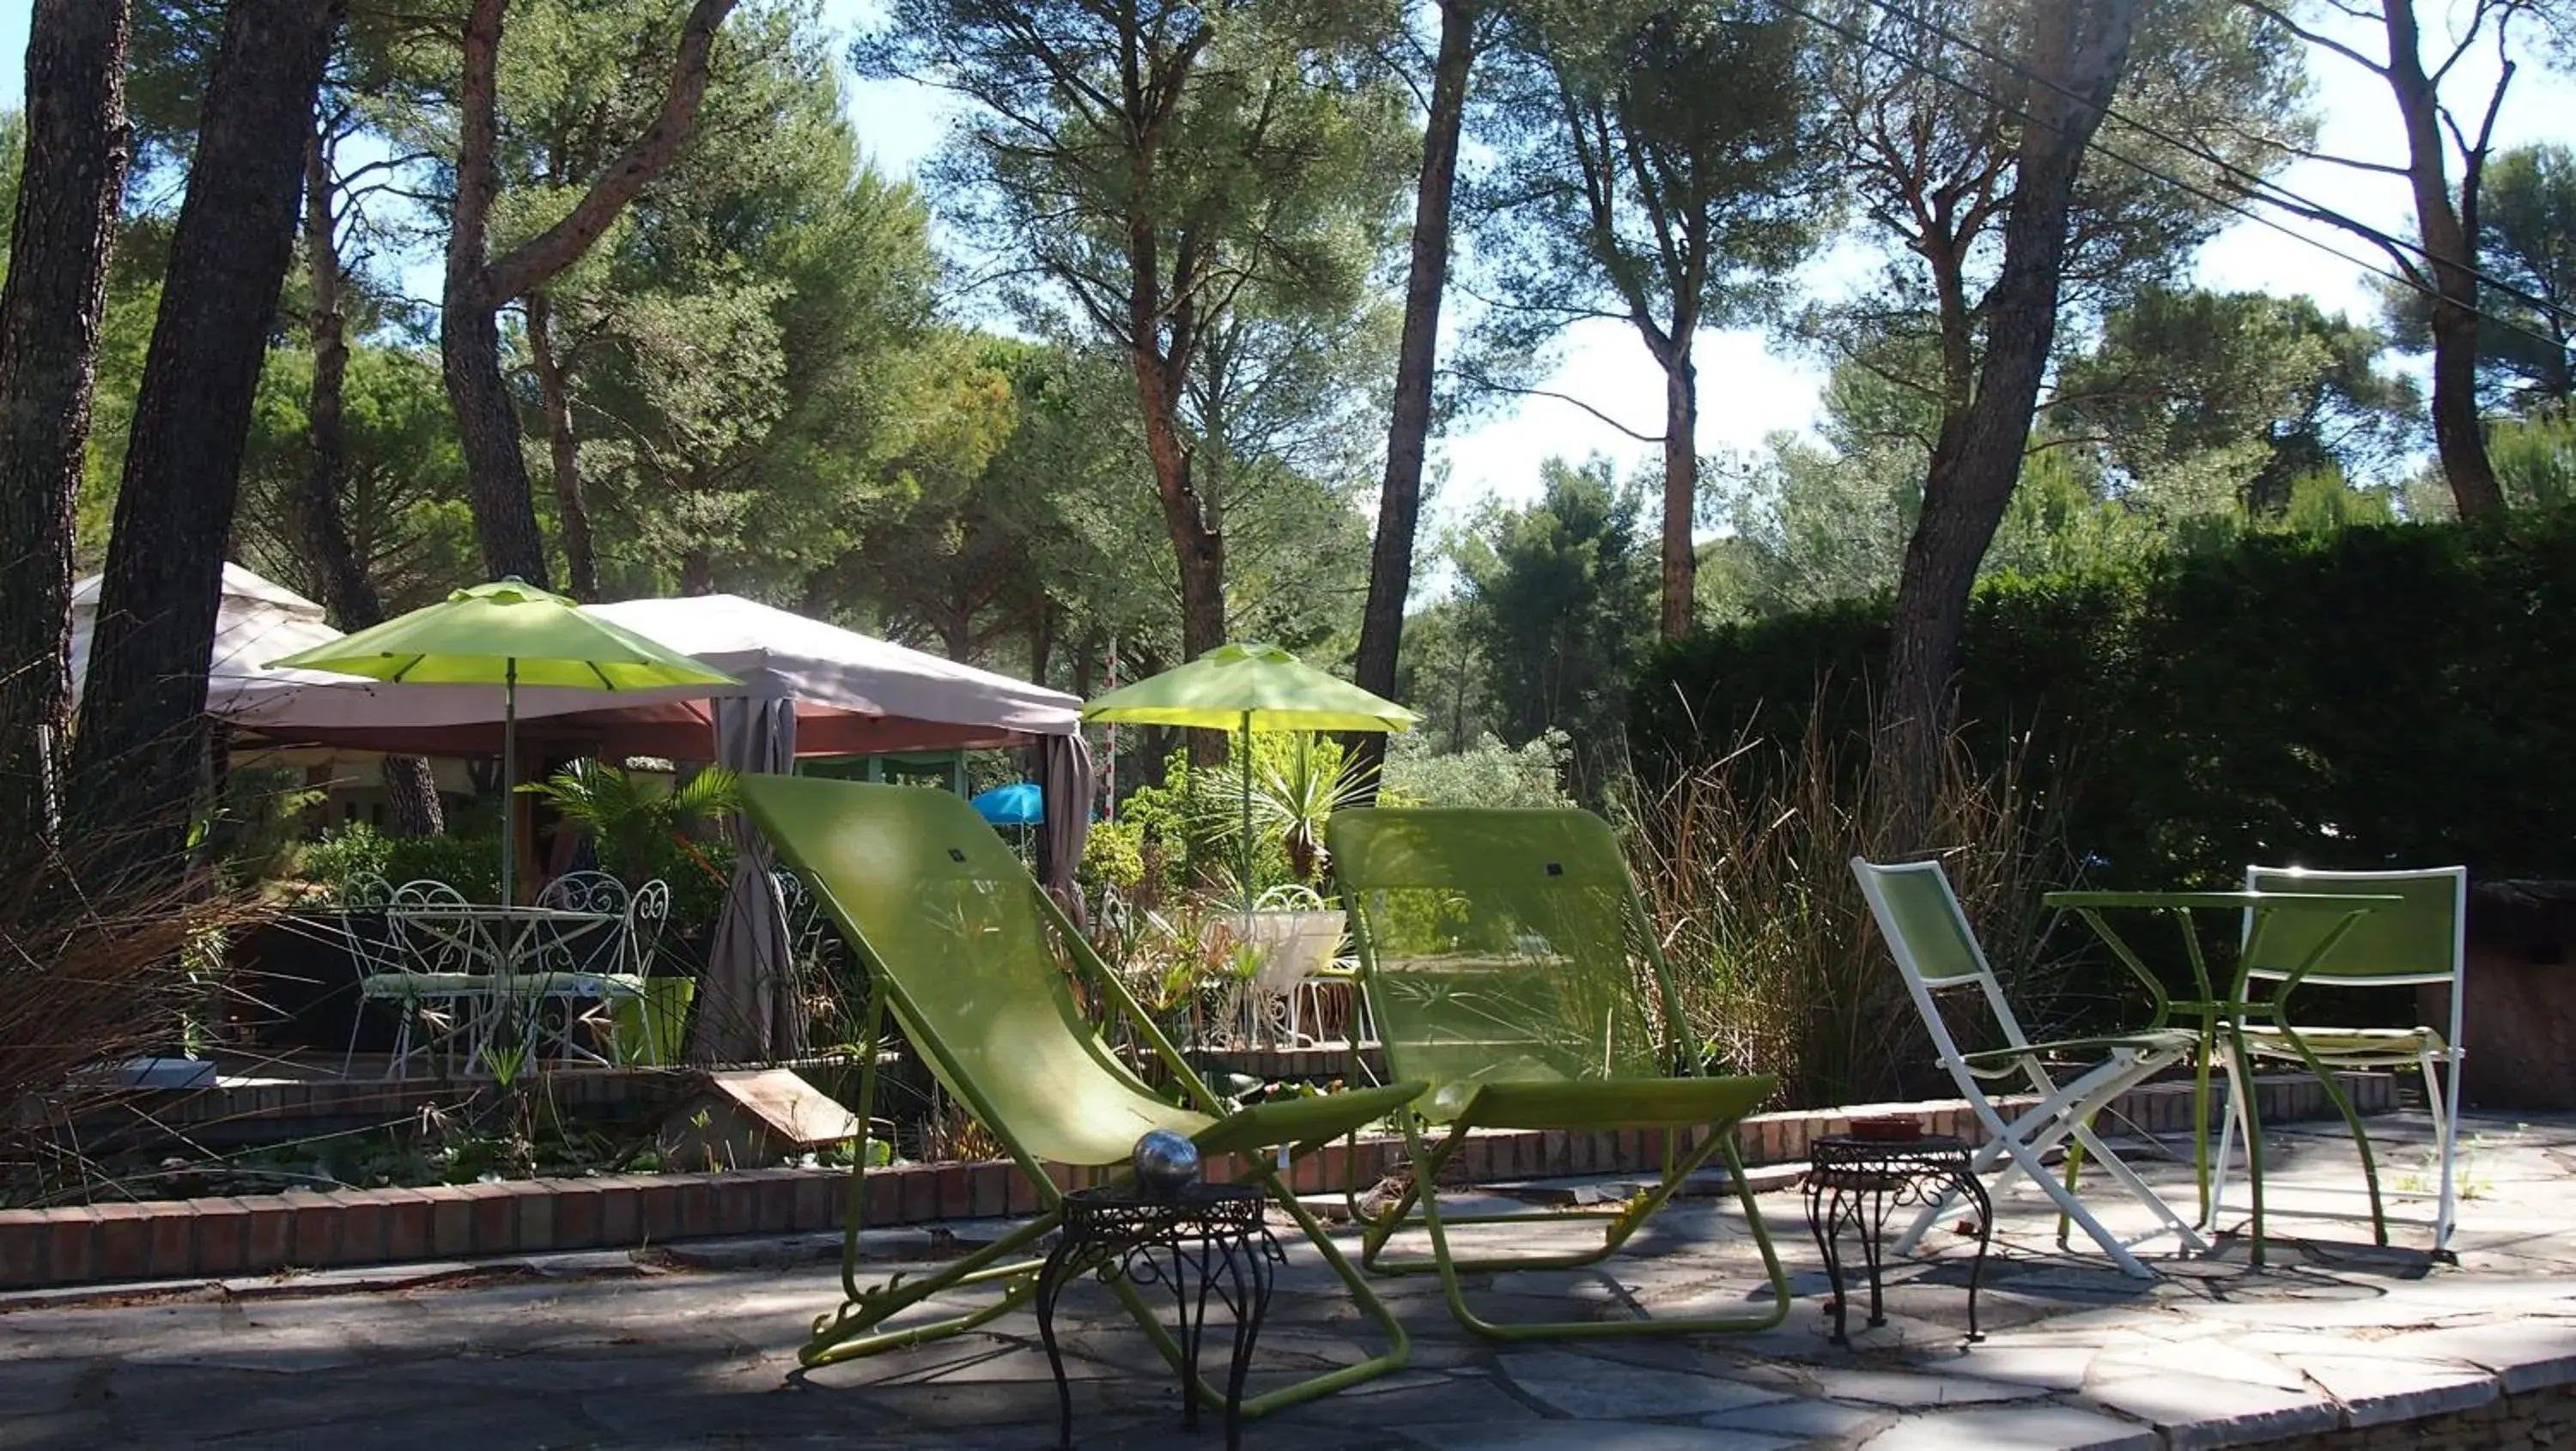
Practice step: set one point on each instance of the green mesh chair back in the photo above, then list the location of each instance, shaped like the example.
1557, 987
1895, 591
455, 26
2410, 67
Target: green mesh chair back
1500, 947
1923, 916
935, 901
2419, 941
1927, 933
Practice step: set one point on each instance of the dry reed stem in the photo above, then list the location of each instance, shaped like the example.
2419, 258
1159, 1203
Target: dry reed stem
1743, 861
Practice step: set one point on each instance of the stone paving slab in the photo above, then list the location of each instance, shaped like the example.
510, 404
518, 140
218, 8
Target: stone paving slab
2334, 1336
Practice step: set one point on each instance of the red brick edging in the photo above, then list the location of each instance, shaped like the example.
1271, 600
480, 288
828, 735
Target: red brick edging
260, 1234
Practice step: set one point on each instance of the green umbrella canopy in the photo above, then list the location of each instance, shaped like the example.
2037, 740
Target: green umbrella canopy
491, 633
507, 634
1249, 688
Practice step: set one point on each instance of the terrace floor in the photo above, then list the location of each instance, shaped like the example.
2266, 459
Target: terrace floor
600, 1350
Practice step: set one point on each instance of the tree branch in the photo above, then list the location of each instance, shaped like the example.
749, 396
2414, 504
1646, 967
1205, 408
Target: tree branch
2322, 42
1478, 380
527, 266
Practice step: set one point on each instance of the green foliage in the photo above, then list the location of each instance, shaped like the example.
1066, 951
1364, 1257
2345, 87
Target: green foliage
403, 490
1298, 782
250, 835
470, 863
1658, 163
2270, 385
2527, 242
2535, 458
13, 165
1559, 598
1740, 860
634, 825
2381, 696
1485, 774
1113, 855
345, 854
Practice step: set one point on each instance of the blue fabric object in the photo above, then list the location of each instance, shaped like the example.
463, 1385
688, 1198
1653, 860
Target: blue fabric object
1018, 804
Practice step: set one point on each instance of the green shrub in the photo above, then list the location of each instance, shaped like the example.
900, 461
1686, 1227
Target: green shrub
1487, 773
1113, 855
471, 864
2385, 696
344, 854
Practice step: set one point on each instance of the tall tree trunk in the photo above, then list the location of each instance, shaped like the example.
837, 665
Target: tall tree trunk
469, 329
1042, 641
1198, 547
77, 148
2449, 236
469, 338
1408, 434
140, 755
2080, 48
1681, 487
563, 450
411, 793
697, 571
487, 425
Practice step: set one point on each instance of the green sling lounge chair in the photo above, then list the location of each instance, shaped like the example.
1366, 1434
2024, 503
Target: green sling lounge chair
954, 935
1508, 963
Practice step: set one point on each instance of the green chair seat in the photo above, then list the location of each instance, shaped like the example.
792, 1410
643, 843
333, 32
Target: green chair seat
578, 985
1578, 1104
2003, 1062
2336, 1042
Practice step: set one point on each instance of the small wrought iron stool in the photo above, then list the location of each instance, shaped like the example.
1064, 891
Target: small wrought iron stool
1854, 1182
1207, 1237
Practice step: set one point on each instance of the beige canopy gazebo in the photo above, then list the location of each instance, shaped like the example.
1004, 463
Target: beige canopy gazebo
809, 689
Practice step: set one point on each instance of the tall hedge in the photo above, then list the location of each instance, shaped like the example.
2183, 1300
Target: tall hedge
2400, 695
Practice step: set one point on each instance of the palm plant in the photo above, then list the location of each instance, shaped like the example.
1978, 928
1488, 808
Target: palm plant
1294, 793
633, 827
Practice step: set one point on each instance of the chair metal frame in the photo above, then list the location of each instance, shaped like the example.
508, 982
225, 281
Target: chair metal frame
791, 813
2065, 1109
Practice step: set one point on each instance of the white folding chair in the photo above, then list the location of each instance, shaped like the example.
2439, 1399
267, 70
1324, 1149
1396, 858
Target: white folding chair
2422, 942
1929, 936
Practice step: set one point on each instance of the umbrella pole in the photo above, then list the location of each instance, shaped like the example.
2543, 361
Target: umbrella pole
1246, 749
504, 987
509, 781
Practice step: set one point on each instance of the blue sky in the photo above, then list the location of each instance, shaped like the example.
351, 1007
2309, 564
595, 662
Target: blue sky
1749, 385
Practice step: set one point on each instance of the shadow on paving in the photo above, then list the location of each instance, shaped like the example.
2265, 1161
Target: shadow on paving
2076, 1354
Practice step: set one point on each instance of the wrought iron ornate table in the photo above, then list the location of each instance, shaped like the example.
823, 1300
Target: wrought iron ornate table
1855, 1182
1206, 1238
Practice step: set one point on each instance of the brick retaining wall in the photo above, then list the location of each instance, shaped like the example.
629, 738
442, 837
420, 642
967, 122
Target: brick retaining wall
258, 1234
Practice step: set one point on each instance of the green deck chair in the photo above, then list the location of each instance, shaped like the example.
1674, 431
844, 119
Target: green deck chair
955, 937
1508, 963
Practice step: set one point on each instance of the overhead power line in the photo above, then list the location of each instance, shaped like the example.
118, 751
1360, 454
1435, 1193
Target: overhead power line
2255, 184
2224, 203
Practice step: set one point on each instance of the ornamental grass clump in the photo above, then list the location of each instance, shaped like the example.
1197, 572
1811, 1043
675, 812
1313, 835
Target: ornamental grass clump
1744, 864
90, 979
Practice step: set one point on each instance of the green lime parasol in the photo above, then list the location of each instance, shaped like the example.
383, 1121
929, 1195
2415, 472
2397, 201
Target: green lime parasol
506, 634
1245, 688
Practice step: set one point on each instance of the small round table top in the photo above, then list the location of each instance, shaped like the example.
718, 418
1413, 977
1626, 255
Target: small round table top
1214, 1205
1854, 1146
1848, 1161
